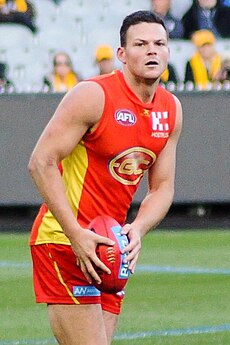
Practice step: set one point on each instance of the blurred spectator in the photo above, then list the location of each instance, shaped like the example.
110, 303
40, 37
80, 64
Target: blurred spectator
63, 77
169, 75
212, 15
224, 73
57, 2
5, 83
178, 7
204, 65
174, 25
18, 12
105, 59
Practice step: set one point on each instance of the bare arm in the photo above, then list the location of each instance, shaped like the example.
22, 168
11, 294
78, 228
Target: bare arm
79, 110
159, 198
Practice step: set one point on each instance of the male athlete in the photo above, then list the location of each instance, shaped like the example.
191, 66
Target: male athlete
106, 132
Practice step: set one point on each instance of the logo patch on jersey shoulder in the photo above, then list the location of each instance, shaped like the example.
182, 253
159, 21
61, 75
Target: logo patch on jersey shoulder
125, 117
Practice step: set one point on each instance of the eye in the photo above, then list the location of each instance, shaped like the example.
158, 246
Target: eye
161, 44
139, 44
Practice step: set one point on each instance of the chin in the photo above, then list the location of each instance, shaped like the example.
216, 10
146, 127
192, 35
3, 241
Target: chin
152, 76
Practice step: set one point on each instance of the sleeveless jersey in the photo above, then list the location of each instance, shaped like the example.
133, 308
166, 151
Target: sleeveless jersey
103, 172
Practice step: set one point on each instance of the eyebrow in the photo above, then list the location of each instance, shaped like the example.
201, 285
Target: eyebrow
156, 41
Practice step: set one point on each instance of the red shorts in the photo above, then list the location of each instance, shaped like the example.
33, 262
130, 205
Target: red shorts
58, 280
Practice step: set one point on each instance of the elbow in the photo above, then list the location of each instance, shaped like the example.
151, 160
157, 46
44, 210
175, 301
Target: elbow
172, 193
39, 164
31, 167
36, 164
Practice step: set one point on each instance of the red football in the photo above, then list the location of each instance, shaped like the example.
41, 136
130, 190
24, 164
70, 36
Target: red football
111, 255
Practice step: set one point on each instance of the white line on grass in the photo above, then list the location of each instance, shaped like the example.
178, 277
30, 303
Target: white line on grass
9, 264
132, 336
174, 332
142, 268
182, 270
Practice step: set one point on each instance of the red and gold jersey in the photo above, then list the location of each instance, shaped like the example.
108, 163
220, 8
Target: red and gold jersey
103, 172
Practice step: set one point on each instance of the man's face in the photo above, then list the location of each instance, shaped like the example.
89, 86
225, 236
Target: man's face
106, 66
146, 52
161, 6
207, 51
62, 65
207, 4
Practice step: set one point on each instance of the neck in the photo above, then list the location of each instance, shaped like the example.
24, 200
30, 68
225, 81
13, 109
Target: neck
144, 88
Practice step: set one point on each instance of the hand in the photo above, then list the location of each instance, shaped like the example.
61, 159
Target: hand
84, 246
134, 246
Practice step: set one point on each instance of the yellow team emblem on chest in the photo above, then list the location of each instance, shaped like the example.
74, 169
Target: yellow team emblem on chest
129, 166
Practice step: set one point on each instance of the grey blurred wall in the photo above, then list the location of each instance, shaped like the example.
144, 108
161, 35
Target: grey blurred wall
203, 163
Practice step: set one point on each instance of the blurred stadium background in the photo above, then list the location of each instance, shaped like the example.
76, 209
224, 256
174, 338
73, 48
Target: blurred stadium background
187, 307
78, 27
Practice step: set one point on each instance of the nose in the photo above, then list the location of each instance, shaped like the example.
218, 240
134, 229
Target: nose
152, 49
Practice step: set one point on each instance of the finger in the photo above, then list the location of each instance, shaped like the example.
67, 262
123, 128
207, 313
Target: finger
131, 255
132, 264
132, 244
128, 248
85, 272
101, 265
105, 240
90, 272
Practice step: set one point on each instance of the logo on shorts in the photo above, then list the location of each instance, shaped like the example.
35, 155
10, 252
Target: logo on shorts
125, 117
85, 291
129, 166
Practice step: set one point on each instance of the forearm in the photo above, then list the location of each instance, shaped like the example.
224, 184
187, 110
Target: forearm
50, 185
153, 209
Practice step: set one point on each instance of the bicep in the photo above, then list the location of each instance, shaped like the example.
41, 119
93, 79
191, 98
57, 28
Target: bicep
163, 170
73, 117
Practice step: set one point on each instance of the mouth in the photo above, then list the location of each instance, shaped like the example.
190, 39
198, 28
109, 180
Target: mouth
152, 63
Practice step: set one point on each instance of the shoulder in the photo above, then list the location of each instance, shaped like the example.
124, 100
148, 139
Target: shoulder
87, 89
190, 13
173, 103
179, 117
105, 79
171, 17
85, 101
164, 95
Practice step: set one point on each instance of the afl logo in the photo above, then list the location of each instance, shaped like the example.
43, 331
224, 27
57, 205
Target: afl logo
129, 166
125, 117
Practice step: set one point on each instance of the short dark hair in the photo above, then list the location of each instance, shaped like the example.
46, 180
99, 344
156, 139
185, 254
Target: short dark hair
136, 18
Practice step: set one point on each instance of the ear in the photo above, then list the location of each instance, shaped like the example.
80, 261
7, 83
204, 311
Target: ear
121, 54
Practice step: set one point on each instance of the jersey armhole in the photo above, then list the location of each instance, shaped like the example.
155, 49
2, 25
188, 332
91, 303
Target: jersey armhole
103, 120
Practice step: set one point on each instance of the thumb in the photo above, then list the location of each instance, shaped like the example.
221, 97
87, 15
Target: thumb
126, 228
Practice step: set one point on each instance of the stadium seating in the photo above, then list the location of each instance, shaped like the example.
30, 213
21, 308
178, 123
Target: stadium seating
77, 27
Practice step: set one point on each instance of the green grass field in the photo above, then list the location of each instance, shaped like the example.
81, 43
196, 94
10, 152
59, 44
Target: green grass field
180, 293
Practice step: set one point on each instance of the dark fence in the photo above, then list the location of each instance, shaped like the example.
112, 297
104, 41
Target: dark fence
203, 167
